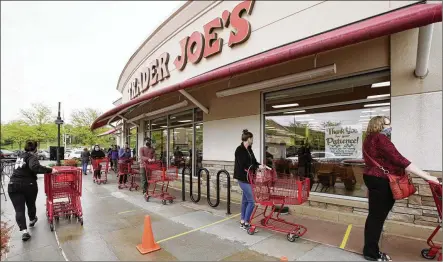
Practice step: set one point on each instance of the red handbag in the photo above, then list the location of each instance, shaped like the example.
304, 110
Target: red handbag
401, 185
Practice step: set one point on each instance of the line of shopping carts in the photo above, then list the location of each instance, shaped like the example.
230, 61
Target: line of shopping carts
63, 189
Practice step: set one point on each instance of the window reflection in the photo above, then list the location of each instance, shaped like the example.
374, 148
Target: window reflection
318, 133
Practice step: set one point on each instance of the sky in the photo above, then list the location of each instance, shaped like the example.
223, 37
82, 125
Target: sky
70, 52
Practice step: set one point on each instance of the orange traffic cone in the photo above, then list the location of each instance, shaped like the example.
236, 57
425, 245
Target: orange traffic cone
283, 259
148, 244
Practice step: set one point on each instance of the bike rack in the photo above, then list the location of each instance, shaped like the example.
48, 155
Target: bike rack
228, 196
191, 185
208, 189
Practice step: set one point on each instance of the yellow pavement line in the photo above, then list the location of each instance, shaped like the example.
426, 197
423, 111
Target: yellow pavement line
127, 211
346, 236
197, 229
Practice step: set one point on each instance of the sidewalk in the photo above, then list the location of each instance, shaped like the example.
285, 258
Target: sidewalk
113, 225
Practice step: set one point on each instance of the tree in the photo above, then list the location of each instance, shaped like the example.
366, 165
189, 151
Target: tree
38, 115
18, 132
84, 117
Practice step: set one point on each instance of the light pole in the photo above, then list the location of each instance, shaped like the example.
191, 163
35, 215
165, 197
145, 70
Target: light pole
58, 122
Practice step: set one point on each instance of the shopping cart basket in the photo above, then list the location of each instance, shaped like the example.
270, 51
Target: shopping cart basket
125, 169
271, 192
158, 178
100, 167
434, 249
63, 188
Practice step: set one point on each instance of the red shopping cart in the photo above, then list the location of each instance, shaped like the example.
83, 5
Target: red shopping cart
158, 178
271, 192
100, 167
124, 170
63, 188
434, 249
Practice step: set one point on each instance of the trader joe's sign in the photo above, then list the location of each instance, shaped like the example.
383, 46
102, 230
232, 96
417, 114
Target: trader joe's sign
195, 47
344, 141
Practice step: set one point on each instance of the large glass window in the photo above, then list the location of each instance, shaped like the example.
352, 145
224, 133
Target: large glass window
199, 145
159, 138
318, 131
180, 146
173, 138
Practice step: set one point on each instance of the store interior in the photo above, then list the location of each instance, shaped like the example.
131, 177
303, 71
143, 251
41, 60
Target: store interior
327, 121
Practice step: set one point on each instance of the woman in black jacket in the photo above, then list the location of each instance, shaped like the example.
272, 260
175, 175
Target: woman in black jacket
22, 187
244, 161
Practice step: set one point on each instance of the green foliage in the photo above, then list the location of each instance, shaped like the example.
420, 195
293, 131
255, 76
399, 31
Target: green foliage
38, 124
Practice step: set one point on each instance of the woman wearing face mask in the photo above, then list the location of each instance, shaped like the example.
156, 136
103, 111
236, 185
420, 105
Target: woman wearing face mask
22, 187
380, 148
244, 161
97, 153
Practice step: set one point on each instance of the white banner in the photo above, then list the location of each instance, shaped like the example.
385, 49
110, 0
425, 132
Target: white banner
344, 141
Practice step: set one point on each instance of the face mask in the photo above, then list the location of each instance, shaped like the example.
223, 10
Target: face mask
387, 131
96, 149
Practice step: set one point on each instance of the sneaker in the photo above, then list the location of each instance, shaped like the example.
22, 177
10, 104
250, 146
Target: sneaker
32, 223
242, 225
26, 236
248, 226
381, 257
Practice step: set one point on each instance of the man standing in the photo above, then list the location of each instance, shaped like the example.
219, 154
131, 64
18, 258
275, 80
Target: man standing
146, 153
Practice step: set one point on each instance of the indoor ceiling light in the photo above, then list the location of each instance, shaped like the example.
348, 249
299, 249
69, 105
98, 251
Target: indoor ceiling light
185, 121
386, 110
364, 116
163, 126
379, 104
280, 81
369, 111
295, 112
378, 96
285, 105
381, 84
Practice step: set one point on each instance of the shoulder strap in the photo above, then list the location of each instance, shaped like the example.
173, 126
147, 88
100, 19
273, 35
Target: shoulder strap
375, 163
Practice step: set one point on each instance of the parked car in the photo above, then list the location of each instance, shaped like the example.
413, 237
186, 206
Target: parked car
43, 155
73, 154
67, 152
6, 154
320, 157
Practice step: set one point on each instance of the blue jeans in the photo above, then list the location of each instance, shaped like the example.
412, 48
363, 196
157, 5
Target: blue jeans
247, 201
85, 167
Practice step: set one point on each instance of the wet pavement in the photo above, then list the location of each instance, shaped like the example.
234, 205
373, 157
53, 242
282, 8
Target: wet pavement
113, 226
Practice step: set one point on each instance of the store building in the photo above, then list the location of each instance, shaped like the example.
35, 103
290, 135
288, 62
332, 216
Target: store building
293, 73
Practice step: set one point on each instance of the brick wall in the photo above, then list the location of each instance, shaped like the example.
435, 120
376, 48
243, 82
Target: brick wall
418, 209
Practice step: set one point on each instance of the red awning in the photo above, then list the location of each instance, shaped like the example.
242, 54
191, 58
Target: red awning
383, 25
109, 132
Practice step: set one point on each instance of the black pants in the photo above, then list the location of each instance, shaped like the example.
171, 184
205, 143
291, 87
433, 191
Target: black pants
123, 179
381, 202
21, 195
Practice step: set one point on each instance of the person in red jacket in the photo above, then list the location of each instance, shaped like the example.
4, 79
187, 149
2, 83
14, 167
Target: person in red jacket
380, 148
